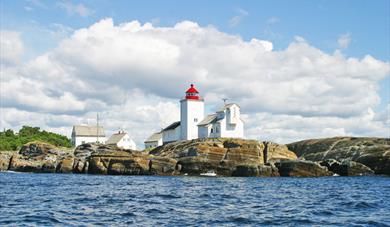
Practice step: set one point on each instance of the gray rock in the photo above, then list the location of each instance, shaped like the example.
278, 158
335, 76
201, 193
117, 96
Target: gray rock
347, 168
301, 168
371, 152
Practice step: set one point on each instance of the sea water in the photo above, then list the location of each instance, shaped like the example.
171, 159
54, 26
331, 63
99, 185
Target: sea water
87, 200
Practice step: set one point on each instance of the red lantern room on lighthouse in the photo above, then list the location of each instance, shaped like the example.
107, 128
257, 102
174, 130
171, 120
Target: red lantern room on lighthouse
192, 93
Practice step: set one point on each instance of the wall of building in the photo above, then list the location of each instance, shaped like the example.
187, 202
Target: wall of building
216, 130
127, 143
232, 130
204, 131
191, 113
171, 135
233, 114
76, 141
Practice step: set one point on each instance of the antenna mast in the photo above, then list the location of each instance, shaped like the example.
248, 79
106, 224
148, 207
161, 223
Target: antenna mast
224, 101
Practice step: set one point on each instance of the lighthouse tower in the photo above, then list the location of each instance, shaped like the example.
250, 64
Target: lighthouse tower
191, 113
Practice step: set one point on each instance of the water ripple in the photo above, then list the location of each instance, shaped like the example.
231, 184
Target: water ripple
80, 200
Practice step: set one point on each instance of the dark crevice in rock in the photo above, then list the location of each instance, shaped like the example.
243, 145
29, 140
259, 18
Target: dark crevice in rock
265, 152
10, 162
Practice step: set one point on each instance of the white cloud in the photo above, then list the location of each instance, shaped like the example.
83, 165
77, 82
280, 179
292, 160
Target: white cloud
234, 21
134, 76
289, 128
344, 40
79, 9
11, 47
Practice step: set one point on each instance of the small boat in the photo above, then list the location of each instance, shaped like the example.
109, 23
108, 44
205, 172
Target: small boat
209, 174
336, 175
10, 171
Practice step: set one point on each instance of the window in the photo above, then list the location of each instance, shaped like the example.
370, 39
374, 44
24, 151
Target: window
195, 119
216, 129
211, 131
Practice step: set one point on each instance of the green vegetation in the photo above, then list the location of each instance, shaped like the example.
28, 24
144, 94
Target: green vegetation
14, 141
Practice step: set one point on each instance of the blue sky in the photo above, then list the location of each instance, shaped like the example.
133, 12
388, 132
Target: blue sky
353, 28
320, 22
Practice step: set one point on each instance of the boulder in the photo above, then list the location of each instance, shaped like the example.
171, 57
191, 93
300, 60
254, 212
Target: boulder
268, 170
5, 158
97, 166
247, 152
115, 161
34, 149
65, 165
163, 166
85, 150
38, 157
301, 168
378, 161
80, 166
274, 152
347, 168
255, 171
19, 164
49, 166
195, 165
129, 166
369, 151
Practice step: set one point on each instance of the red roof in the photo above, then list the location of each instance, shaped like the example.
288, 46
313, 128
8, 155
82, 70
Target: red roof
192, 89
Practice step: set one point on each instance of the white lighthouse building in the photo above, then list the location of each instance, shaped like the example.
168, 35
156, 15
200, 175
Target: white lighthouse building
193, 124
191, 113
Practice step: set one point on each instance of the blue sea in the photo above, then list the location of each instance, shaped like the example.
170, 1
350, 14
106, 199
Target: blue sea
90, 200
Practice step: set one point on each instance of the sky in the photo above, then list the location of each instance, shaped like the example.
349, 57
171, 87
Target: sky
298, 69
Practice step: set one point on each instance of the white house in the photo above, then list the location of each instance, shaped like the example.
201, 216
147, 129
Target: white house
87, 134
193, 124
154, 140
171, 133
122, 140
225, 123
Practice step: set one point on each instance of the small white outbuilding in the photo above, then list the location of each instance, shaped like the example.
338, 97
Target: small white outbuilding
154, 140
171, 133
122, 140
87, 134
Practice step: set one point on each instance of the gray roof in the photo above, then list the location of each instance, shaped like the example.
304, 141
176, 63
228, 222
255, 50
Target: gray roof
154, 137
115, 138
172, 126
87, 130
208, 120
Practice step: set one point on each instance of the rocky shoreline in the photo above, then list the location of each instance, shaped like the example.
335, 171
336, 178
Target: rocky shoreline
345, 156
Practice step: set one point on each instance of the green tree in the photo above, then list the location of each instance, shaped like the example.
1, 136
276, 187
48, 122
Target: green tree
11, 141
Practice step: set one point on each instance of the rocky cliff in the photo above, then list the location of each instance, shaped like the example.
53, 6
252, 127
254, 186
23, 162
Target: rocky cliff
226, 157
371, 152
41, 157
